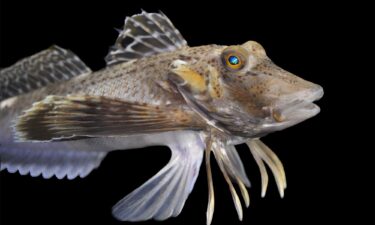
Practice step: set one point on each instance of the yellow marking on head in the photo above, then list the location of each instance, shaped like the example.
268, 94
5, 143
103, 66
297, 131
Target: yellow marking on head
193, 79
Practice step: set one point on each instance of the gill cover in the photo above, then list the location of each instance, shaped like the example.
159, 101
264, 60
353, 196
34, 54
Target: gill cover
205, 91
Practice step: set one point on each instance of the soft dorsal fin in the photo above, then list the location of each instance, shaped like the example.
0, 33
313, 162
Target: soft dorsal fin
48, 66
145, 34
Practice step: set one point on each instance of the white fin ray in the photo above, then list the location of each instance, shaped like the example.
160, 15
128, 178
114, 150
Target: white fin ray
261, 151
263, 171
144, 35
275, 160
211, 194
164, 195
220, 152
245, 194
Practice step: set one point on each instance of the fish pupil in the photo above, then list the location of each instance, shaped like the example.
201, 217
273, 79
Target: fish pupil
233, 60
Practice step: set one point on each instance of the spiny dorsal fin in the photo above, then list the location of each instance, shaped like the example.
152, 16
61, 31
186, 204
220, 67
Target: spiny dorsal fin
143, 35
48, 66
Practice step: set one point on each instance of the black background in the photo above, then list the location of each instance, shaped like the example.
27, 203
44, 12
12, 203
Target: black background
329, 159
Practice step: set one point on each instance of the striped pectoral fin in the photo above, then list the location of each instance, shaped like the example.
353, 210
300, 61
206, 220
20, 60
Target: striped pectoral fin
64, 117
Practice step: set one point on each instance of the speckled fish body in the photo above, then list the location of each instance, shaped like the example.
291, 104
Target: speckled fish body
58, 118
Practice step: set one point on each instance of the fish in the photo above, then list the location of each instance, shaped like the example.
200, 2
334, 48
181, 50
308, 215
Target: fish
59, 118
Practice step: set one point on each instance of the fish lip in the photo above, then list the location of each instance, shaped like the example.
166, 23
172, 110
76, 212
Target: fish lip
314, 95
299, 107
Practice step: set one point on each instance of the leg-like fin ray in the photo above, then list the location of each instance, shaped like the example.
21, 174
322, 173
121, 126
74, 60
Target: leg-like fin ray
211, 195
236, 199
245, 194
262, 169
275, 160
260, 150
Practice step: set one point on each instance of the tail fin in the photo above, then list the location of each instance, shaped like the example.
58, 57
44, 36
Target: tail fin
41, 69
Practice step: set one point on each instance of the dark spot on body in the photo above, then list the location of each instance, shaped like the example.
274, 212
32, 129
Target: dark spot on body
249, 73
150, 65
164, 61
184, 57
116, 75
132, 70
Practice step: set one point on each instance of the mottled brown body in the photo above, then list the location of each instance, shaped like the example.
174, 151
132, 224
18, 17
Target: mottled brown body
155, 90
143, 80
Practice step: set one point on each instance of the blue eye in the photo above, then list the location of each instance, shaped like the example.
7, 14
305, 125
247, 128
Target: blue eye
233, 60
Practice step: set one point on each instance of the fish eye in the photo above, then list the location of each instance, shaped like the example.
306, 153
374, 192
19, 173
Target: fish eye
233, 59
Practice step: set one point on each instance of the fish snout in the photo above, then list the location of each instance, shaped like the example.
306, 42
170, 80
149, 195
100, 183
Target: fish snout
298, 106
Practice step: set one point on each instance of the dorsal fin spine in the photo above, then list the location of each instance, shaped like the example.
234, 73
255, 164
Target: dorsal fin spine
160, 27
144, 43
167, 33
143, 35
149, 32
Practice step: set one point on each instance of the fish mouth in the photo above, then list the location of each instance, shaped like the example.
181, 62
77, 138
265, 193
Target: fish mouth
298, 107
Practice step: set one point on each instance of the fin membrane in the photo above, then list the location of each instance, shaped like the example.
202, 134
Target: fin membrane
234, 165
48, 160
143, 35
56, 118
41, 69
164, 195
226, 160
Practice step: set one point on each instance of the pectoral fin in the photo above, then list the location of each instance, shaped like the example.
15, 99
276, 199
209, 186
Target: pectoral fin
164, 195
57, 117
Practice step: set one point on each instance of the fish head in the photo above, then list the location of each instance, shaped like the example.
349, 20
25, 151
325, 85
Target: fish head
240, 90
